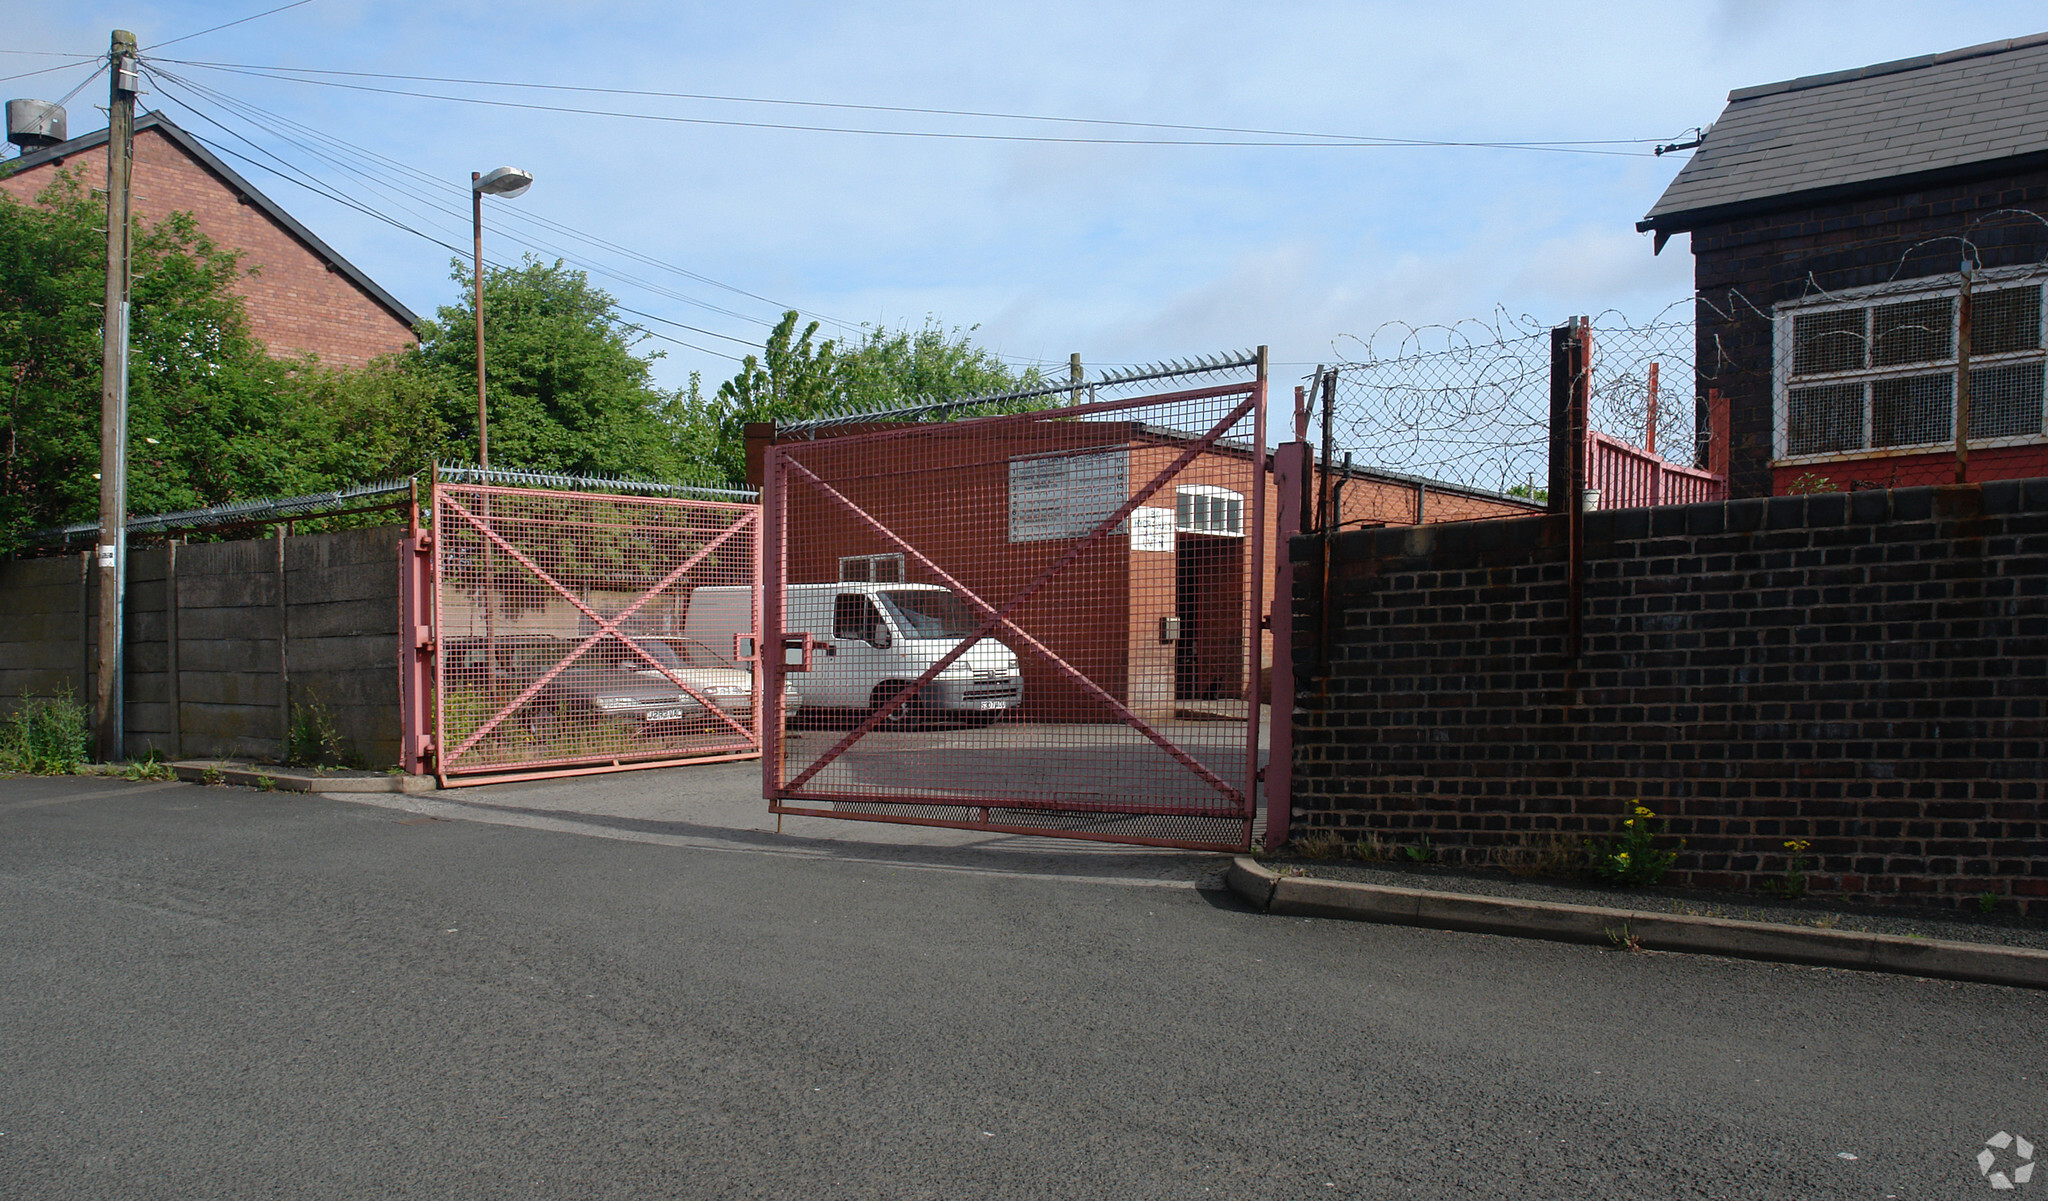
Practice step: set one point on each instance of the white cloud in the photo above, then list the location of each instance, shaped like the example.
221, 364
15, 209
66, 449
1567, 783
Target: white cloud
1124, 253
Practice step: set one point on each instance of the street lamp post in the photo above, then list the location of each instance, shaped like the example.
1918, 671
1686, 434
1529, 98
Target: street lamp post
507, 182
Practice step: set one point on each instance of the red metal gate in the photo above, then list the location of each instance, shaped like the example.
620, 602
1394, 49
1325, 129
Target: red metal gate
572, 632
1044, 622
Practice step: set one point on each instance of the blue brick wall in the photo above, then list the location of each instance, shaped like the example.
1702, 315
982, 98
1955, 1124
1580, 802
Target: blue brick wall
1864, 670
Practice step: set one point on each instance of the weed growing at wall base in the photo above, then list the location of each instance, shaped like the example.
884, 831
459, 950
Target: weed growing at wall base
313, 740
1793, 886
45, 735
1631, 857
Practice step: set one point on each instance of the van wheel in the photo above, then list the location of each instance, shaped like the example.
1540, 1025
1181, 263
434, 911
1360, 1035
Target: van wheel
906, 715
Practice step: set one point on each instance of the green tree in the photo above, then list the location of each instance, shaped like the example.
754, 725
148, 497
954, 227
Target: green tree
569, 390
209, 413
797, 377
382, 421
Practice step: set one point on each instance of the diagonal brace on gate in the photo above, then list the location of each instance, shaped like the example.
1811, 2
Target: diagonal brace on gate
993, 617
605, 626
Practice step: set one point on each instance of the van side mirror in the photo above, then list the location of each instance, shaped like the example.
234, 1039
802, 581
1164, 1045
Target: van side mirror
879, 637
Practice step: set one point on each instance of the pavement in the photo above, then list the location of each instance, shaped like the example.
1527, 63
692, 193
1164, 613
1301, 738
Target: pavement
1292, 891
718, 807
569, 989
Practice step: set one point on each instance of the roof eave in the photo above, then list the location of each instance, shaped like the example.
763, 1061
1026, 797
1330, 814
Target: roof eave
197, 149
1687, 220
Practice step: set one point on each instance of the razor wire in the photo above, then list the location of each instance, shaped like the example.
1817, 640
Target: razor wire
1467, 404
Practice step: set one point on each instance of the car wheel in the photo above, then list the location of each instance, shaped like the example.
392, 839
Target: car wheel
906, 714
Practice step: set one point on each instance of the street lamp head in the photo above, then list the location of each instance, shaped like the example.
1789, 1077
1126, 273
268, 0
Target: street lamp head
502, 181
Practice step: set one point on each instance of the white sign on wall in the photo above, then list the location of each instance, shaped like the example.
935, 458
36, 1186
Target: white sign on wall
1152, 529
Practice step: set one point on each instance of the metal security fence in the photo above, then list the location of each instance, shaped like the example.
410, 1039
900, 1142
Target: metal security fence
1047, 621
574, 632
1473, 406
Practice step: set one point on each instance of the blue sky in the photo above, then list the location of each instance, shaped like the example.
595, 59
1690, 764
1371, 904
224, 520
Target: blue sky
1124, 253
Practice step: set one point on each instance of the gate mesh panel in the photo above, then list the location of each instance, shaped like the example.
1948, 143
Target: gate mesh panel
565, 636
1115, 697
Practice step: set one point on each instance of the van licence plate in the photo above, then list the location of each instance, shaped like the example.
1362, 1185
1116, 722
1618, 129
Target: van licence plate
992, 704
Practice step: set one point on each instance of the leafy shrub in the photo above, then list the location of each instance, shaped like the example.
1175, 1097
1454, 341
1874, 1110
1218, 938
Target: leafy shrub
45, 735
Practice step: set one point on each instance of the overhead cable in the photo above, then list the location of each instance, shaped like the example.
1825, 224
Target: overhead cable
1284, 140
1337, 139
229, 25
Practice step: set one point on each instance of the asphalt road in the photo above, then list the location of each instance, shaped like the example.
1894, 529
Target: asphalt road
215, 993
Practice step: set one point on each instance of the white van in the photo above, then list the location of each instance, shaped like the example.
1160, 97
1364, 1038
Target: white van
870, 640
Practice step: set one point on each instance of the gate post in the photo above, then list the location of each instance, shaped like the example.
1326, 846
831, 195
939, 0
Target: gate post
771, 660
415, 655
1290, 474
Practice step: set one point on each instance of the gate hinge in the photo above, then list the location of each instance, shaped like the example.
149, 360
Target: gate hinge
423, 545
1265, 621
423, 638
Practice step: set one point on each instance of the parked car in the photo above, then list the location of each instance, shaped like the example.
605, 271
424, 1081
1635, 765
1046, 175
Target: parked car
610, 679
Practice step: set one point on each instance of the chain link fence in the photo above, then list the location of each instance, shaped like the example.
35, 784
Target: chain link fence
1469, 405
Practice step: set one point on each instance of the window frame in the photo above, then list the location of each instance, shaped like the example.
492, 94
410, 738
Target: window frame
1784, 314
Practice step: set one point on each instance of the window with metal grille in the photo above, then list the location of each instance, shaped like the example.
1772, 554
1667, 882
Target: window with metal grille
1207, 509
1879, 373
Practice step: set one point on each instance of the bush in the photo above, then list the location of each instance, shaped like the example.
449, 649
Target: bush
46, 736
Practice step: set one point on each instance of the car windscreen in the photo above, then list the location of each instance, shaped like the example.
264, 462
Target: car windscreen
929, 613
617, 656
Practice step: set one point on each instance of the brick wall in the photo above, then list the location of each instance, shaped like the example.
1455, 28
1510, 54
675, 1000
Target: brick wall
296, 304
1762, 260
1867, 671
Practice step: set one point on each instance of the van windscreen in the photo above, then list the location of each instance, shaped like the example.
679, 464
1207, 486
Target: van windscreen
929, 613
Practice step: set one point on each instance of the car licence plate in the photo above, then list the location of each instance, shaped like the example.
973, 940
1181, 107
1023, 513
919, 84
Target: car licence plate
670, 714
993, 704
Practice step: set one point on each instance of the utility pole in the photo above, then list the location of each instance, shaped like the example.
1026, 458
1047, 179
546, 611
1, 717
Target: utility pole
1074, 377
107, 700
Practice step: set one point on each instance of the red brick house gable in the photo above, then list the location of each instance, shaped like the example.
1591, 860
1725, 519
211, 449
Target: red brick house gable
301, 296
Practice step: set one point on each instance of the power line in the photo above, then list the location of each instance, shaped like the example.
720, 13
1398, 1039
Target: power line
305, 179
293, 74
297, 175
1294, 140
441, 187
231, 24
515, 215
45, 71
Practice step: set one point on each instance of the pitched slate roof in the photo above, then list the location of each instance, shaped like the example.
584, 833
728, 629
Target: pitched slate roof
264, 204
1847, 133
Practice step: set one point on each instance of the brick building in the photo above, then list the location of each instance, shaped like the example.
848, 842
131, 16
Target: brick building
301, 297
1830, 217
1159, 616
